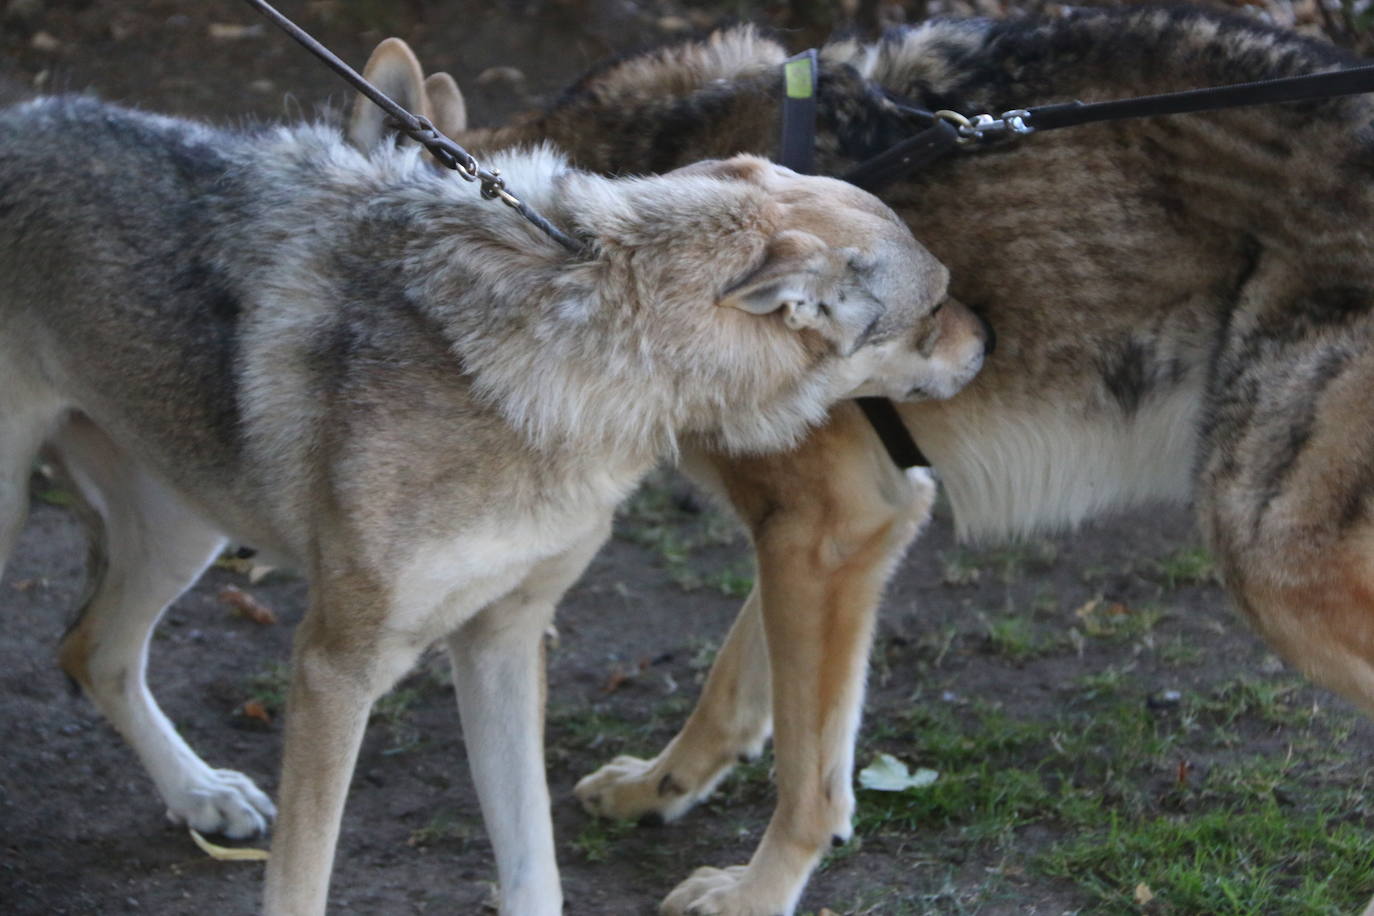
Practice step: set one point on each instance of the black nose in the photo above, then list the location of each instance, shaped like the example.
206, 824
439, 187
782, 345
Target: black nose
989, 336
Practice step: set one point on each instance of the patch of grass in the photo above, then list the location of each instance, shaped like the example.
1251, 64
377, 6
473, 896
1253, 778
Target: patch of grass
269, 686
584, 727
960, 567
1268, 701
1014, 636
1239, 861
1124, 795
1113, 620
1179, 652
1107, 683
681, 531
394, 711
598, 837
443, 829
1006, 563
1187, 566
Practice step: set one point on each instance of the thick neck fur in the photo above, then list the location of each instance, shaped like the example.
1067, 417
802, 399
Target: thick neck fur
623, 350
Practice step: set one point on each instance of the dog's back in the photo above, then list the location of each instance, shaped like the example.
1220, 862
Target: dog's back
109, 259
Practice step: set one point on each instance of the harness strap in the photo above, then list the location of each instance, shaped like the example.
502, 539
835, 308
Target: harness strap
797, 151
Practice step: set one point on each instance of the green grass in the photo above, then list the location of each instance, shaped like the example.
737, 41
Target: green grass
599, 838
1241, 861
1187, 566
1238, 800
687, 537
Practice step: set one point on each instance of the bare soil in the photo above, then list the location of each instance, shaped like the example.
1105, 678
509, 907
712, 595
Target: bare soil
80, 829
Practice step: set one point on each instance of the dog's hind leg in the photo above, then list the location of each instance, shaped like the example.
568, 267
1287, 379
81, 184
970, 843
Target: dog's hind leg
829, 522
1286, 500
147, 548
498, 670
25, 419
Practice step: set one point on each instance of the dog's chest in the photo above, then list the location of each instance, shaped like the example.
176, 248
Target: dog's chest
451, 578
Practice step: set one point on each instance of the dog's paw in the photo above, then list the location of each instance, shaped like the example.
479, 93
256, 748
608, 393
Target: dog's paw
718, 892
629, 788
222, 802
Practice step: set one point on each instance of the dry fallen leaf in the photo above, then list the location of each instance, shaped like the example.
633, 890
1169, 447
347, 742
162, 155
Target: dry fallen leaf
247, 605
228, 31
618, 678
227, 853
1143, 894
254, 709
1088, 608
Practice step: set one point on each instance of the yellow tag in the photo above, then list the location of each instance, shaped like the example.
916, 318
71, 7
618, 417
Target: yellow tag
797, 75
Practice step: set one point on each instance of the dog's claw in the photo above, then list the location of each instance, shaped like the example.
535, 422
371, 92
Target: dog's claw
628, 788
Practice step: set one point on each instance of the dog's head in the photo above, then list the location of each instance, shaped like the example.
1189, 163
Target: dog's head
801, 290
847, 269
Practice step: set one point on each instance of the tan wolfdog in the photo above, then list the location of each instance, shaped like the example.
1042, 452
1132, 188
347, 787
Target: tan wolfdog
1183, 312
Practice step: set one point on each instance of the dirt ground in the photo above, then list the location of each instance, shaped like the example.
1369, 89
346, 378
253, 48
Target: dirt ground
1016, 630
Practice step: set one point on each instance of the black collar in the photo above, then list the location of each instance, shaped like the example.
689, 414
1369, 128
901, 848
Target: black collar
797, 151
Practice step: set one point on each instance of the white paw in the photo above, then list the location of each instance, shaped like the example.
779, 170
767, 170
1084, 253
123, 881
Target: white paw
629, 788
222, 802
718, 892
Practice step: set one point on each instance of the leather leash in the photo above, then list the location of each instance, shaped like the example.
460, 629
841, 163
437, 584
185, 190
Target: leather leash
443, 148
950, 130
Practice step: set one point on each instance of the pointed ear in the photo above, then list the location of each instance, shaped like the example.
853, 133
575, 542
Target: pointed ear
786, 281
813, 286
447, 110
394, 69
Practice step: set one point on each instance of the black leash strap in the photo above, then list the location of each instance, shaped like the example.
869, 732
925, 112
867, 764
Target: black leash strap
444, 149
914, 153
797, 151
1310, 87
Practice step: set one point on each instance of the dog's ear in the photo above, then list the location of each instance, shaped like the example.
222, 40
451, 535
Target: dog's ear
447, 110
811, 285
394, 69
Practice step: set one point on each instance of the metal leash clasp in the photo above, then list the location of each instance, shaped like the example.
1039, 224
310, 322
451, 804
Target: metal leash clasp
985, 128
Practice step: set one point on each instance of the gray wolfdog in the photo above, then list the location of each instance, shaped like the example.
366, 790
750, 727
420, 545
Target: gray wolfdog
1183, 309
357, 365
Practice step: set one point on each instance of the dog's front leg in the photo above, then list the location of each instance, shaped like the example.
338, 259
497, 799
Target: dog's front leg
731, 723
498, 670
829, 523
340, 665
